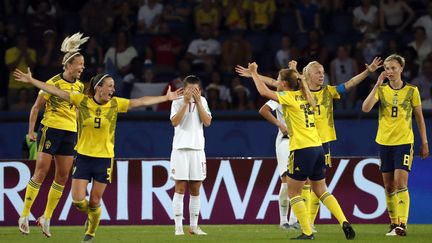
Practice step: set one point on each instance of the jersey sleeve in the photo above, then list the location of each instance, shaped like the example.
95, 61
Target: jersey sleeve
333, 91
284, 98
76, 98
205, 105
272, 104
175, 106
416, 100
123, 104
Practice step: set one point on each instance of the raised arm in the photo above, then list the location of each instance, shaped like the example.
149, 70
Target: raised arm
151, 100
244, 72
261, 87
37, 106
176, 119
424, 147
370, 101
27, 78
354, 81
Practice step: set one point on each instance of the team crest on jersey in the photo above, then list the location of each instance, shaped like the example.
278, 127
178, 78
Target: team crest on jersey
47, 144
98, 111
297, 169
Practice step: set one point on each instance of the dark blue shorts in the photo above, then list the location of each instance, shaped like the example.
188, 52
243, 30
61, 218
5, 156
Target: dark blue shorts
307, 163
88, 168
396, 157
326, 148
56, 142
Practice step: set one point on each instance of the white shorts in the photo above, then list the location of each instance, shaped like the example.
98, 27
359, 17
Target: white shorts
282, 154
188, 165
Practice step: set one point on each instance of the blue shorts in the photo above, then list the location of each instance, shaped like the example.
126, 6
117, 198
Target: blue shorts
326, 148
396, 157
307, 163
88, 168
56, 142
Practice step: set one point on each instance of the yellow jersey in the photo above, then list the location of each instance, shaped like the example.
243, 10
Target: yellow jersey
261, 11
324, 121
300, 120
60, 114
395, 114
11, 55
97, 124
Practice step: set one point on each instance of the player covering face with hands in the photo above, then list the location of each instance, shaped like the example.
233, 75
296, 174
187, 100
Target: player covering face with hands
95, 148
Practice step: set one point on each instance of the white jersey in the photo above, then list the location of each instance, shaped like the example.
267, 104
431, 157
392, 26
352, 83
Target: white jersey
189, 133
279, 115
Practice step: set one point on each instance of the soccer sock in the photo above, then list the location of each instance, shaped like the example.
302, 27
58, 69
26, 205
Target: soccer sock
332, 204
283, 203
82, 206
392, 207
314, 207
306, 194
292, 217
54, 196
93, 220
403, 205
32, 191
178, 209
299, 208
194, 208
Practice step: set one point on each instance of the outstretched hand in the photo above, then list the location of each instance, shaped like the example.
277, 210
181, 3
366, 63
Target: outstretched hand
253, 67
243, 72
172, 95
381, 78
292, 65
22, 76
375, 64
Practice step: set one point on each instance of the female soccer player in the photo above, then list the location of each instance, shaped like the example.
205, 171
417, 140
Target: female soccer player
95, 148
57, 135
397, 101
188, 160
306, 153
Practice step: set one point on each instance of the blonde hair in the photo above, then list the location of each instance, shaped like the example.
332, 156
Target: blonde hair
308, 67
397, 58
71, 45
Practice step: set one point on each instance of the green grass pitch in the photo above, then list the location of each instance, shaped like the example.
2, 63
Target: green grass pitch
371, 233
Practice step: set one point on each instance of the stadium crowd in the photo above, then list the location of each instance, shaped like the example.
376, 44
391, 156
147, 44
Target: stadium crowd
148, 44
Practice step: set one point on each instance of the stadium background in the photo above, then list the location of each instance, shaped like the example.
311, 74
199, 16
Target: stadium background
237, 129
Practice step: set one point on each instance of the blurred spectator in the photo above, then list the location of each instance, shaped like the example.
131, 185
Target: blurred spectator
286, 53
149, 16
224, 92
184, 69
212, 94
49, 57
178, 14
286, 6
34, 7
23, 100
392, 47
22, 57
207, 13
240, 96
96, 18
421, 44
39, 22
262, 14
308, 17
165, 49
134, 76
370, 46
411, 68
426, 22
343, 68
4, 44
234, 12
315, 50
427, 103
118, 58
424, 80
94, 59
365, 17
204, 51
235, 51
392, 14
126, 18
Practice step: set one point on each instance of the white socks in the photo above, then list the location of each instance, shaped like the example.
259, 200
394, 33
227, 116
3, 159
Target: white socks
194, 208
283, 203
178, 209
